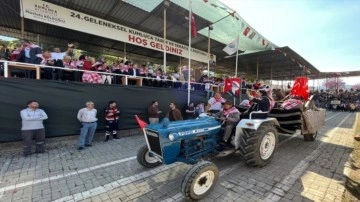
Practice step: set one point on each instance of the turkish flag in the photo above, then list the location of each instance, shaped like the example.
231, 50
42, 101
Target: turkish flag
301, 88
141, 123
233, 85
246, 31
193, 26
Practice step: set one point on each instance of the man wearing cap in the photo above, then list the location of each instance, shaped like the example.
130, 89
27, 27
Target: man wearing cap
229, 116
32, 127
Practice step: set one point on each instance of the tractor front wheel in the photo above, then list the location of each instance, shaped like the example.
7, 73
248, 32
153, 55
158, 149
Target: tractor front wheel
146, 158
199, 180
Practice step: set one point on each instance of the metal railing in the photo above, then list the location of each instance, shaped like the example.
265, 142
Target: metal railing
32, 67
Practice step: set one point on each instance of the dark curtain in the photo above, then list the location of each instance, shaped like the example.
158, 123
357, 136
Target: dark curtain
62, 101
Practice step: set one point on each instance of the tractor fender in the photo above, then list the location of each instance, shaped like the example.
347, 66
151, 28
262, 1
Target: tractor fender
254, 124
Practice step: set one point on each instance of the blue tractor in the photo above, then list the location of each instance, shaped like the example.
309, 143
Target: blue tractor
191, 141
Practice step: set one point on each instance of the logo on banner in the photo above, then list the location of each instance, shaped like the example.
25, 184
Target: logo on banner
45, 12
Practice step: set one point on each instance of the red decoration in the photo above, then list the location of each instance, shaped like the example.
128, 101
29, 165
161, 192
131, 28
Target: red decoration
246, 31
193, 26
233, 85
301, 88
142, 124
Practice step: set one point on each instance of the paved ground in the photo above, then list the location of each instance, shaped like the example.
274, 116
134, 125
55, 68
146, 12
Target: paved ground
299, 171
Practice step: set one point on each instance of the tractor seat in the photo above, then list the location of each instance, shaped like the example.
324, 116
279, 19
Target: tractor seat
258, 115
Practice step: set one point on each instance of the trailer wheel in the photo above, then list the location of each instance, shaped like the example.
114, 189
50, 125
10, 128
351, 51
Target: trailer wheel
146, 159
257, 146
310, 137
199, 180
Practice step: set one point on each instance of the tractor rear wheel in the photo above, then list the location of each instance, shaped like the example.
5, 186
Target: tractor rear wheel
147, 159
257, 146
199, 180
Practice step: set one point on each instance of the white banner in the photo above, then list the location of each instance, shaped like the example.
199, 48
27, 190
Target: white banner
232, 47
59, 16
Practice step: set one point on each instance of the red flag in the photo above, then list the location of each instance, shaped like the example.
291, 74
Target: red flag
141, 123
193, 26
233, 85
301, 88
246, 31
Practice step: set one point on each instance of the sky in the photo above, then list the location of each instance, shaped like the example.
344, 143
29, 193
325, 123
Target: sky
324, 32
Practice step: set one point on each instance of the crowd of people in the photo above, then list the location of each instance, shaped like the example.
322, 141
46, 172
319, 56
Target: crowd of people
63, 65
338, 100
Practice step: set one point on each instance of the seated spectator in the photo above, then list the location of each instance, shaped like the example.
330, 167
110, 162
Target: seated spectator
90, 76
68, 66
47, 60
261, 102
214, 103
106, 78
117, 70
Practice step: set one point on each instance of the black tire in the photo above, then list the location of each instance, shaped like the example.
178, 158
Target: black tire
252, 141
199, 180
310, 137
145, 158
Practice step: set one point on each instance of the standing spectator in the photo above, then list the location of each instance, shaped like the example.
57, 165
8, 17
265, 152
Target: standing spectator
214, 103
112, 121
154, 112
30, 53
57, 54
257, 85
4, 53
88, 120
32, 127
190, 111
174, 113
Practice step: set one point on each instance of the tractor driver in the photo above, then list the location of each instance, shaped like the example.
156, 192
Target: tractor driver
229, 116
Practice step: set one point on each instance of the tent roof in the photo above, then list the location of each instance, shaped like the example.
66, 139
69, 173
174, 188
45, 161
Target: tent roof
148, 17
279, 64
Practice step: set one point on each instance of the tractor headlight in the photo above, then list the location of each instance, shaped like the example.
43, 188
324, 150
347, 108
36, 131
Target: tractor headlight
172, 137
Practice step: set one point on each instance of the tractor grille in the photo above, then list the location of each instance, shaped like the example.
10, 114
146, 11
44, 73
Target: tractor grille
154, 141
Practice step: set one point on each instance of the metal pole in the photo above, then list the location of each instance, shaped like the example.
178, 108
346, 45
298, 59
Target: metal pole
189, 65
257, 69
124, 51
165, 39
237, 56
22, 27
6, 70
208, 67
